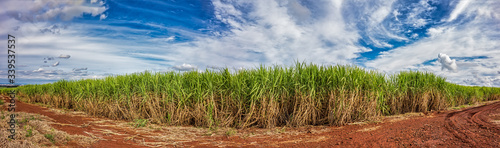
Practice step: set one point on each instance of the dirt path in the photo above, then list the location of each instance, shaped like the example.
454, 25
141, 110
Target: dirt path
476, 126
470, 127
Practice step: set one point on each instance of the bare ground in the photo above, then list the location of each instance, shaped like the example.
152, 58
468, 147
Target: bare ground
476, 126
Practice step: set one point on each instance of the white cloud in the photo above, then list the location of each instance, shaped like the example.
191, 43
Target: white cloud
260, 31
484, 10
70, 12
55, 64
98, 54
447, 63
171, 38
38, 70
43, 10
40, 40
432, 32
381, 13
274, 32
458, 9
185, 67
370, 18
103, 16
395, 13
467, 39
64, 56
476, 79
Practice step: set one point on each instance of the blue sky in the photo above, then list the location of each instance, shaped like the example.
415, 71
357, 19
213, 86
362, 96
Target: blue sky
98, 38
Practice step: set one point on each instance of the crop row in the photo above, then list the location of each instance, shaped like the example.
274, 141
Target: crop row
304, 94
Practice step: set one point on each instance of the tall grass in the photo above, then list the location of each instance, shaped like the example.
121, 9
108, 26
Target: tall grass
304, 94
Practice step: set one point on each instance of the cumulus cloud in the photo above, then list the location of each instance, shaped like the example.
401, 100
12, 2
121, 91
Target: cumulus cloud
185, 67
447, 63
103, 16
55, 64
432, 32
64, 56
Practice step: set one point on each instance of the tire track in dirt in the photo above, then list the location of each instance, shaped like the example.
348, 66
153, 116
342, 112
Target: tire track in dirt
431, 129
474, 126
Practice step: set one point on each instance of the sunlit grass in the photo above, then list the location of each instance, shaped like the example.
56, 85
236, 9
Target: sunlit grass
305, 94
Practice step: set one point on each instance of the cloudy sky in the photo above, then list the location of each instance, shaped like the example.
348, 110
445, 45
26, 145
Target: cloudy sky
71, 39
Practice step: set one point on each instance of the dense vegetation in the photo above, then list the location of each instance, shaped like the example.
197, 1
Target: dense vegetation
305, 94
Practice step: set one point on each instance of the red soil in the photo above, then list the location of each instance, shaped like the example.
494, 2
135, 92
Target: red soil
470, 127
69, 124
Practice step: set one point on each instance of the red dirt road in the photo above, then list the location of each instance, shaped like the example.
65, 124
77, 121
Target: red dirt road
470, 127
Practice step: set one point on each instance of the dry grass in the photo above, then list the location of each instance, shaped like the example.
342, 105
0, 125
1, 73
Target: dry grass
33, 130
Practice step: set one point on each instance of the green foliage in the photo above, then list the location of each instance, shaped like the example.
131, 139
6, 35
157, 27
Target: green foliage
140, 123
25, 120
304, 94
29, 132
50, 137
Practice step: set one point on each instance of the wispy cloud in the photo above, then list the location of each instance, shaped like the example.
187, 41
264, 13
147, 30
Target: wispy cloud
388, 35
458, 9
274, 32
475, 37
